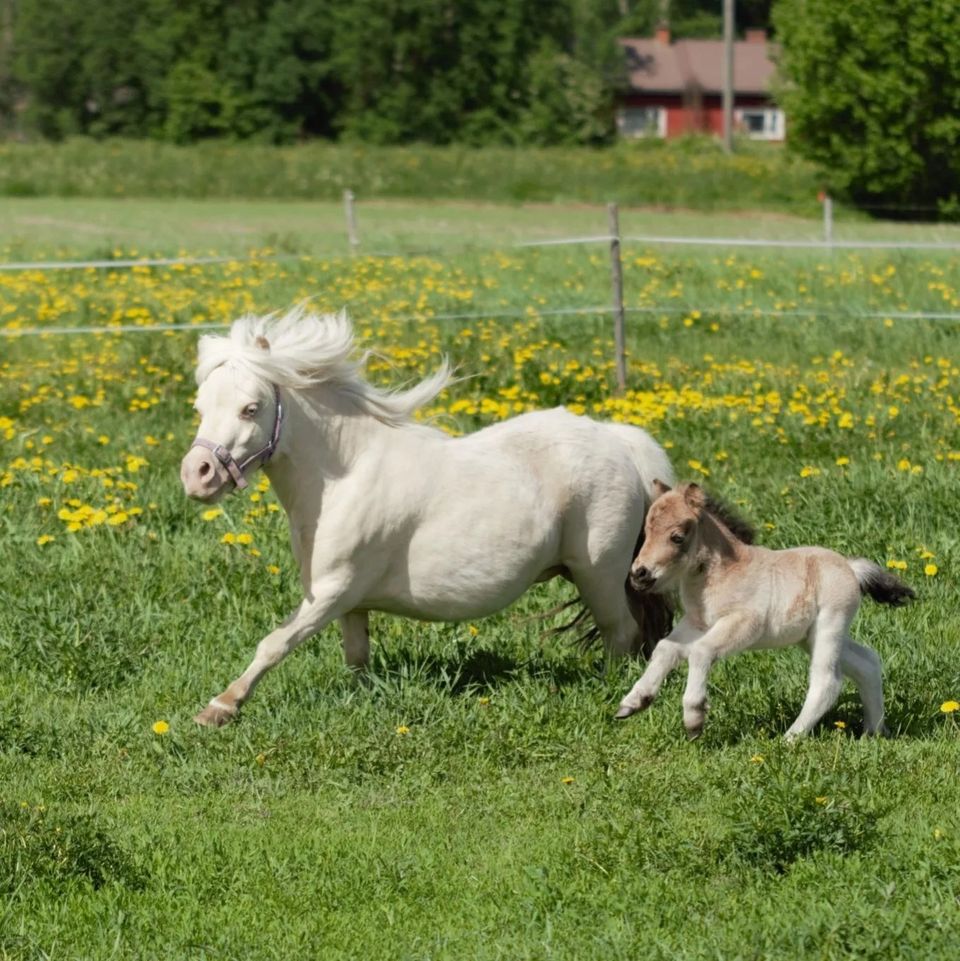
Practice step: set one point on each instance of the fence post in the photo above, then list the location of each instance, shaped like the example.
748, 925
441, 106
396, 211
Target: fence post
827, 219
616, 274
353, 237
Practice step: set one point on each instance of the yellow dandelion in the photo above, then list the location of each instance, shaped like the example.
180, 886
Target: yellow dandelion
45, 539
273, 569
842, 461
228, 538
821, 800
160, 727
567, 780
211, 514
483, 701
931, 570
948, 707
473, 630
756, 759
244, 538
840, 725
402, 729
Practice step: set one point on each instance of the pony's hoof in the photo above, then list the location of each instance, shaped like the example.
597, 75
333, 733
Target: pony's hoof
694, 732
215, 716
626, 708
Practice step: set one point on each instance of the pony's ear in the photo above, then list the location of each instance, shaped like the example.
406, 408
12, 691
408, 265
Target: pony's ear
262, 342
660, 488
694, 496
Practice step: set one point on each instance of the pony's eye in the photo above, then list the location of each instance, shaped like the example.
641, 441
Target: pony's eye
250, 411
677, 537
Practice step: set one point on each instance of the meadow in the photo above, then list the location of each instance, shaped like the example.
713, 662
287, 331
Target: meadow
471, 796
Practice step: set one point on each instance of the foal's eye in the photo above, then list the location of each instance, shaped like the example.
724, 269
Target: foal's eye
250, 411
677, 537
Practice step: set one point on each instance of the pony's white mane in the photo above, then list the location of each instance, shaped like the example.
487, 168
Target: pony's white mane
301, 349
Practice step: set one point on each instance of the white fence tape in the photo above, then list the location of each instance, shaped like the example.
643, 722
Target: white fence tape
671, 309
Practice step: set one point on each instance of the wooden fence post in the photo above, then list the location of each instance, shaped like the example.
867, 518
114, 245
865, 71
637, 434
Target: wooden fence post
353, 237
827, 219
616, 274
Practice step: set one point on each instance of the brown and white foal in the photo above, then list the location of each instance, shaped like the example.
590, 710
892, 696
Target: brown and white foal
737, 597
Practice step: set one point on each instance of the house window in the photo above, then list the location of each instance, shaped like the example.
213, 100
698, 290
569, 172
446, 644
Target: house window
642, 122
761, 123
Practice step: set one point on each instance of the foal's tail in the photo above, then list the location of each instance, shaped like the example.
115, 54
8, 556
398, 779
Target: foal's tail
881, 585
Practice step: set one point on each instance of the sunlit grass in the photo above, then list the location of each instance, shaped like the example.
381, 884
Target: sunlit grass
471, 797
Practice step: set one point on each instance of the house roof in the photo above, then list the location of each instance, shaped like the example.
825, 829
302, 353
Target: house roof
657, 67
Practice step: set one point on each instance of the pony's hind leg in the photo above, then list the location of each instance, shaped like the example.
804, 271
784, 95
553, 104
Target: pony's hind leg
356, 639
862, 665
601, 590
826, 644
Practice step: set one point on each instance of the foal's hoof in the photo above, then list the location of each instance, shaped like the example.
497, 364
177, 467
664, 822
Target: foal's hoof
626, 708
215, 715
694, 732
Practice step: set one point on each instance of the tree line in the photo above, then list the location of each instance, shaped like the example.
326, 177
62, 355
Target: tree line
381, 71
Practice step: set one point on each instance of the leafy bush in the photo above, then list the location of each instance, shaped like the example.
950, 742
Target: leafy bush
872, 92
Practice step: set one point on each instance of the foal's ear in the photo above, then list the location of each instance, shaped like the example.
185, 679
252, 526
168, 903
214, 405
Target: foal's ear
660, 488
694, 496
262, 342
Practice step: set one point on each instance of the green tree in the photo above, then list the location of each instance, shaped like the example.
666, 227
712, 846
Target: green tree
872, 92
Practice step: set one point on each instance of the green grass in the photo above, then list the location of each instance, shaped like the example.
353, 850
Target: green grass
694, 174
514, 818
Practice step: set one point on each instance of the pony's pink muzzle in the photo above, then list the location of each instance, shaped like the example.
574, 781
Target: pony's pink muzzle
202, 475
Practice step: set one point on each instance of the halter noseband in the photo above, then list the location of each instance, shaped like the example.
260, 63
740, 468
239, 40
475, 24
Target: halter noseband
265, 453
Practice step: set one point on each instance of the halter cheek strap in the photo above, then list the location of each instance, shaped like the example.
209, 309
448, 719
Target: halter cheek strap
264, 454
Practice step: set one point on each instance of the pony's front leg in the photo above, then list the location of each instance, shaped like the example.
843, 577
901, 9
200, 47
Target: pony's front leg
310, 617
665, 657
733, 632
356, 639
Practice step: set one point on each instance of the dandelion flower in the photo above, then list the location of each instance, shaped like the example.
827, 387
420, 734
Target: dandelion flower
211, 514
756, 759
567, 780
402, 729
931, 570
45, 539
948, 707
840, 725
160, 727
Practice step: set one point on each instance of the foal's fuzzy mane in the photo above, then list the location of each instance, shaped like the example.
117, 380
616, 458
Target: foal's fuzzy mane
741, 529
301, 349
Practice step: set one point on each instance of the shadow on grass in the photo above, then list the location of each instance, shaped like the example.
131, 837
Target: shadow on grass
469, 669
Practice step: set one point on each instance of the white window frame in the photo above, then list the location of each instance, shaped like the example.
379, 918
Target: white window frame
774, 123
655, 126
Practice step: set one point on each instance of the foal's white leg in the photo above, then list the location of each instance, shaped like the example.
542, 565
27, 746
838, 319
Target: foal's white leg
665, 657
356, 639
826, 643
311, 616
862, 665
734, 632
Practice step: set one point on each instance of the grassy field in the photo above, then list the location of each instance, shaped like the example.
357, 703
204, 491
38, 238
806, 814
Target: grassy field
693, 173
471, 796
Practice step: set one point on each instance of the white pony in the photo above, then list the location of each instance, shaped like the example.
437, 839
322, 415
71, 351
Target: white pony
387, 514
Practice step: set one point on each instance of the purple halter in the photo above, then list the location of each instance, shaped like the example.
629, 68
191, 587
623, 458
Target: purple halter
265, 453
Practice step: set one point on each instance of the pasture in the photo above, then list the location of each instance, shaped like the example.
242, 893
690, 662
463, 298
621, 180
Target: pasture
471, 796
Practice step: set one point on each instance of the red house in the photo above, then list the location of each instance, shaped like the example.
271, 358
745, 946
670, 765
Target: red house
676, 88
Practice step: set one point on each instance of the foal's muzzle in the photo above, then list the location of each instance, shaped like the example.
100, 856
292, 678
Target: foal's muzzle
642, 578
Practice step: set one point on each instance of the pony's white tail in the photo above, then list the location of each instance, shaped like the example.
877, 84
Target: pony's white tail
879, 584
651, 459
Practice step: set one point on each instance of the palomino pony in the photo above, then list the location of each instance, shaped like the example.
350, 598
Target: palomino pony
386, 514
737, 597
